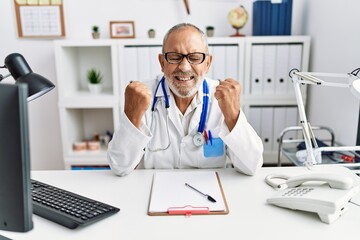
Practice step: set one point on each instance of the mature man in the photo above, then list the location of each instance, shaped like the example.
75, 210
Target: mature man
184, 120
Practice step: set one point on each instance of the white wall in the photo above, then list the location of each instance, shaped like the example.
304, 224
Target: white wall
334, 28
80, 15
45, 145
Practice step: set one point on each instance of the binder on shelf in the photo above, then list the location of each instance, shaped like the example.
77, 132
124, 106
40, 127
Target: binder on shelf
282, 20
255, 119
267, 128
282, 69
256, 19
288, 17
210, 73
155, 68
295, 60
257, 65
285, 17
143, 59
232, 61
279, 125
131, 64
272, 17
170, 196
219, 60
291, 120
269, 69
267, 18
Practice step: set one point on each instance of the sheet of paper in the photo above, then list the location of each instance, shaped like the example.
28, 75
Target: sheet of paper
169, 190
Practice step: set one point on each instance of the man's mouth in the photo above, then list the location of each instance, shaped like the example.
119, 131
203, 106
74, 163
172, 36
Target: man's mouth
184, 78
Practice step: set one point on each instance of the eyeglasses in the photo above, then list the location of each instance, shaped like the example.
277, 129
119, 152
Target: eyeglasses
193, 58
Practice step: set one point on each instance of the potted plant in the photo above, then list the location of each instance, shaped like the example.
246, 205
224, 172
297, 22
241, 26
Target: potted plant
95, 79
210, 31
151, 33
95, 32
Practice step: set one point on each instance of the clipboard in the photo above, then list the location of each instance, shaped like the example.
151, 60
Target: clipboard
170, 196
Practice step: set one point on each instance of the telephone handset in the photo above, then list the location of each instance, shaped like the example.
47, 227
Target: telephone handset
326, 194
334, 180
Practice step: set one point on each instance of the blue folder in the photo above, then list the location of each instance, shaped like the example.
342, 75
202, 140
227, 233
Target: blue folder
272, 18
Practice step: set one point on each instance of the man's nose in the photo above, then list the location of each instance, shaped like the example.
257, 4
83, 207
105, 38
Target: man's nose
184, 65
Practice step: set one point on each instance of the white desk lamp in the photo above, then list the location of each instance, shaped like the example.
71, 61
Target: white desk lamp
313, 155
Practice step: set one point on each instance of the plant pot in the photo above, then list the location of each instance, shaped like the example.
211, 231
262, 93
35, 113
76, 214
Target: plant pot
96, 35
95, 88
151, 34
210, 32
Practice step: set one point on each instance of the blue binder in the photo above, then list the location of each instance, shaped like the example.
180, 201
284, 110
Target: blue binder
288, 17
275, 19
272, 18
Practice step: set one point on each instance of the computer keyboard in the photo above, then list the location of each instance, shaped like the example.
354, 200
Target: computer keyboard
66, 208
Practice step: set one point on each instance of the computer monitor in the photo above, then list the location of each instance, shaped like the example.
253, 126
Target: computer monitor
15, 185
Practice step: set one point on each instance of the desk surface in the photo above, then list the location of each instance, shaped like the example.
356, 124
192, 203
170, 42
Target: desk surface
250, 216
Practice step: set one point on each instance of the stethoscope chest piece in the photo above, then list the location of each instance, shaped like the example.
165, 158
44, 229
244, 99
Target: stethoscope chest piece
198, 139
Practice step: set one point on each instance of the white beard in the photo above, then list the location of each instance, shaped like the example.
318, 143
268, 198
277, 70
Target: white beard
181, 94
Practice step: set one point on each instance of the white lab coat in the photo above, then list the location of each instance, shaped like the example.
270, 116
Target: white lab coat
129, 146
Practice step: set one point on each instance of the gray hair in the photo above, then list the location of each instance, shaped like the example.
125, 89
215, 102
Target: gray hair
181, 26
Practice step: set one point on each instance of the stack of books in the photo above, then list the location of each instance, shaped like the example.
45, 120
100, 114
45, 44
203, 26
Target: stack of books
272, 17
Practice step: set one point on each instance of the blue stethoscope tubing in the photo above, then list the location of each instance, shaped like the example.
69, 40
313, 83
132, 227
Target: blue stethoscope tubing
204, 107
198, 137
162, 83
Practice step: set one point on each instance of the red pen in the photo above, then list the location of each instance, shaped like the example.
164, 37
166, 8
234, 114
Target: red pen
206, 137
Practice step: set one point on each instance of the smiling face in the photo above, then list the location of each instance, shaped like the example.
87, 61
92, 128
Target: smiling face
184, 78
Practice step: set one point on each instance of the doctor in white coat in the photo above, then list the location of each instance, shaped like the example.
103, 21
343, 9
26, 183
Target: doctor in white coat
184, 120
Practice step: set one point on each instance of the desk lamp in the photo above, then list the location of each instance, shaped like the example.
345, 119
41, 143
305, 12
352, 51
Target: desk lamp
313, 154
20, 70
15, 185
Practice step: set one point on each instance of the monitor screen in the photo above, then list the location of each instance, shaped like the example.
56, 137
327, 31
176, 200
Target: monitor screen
15, 191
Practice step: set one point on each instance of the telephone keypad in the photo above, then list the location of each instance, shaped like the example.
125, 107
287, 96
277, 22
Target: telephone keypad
299, 191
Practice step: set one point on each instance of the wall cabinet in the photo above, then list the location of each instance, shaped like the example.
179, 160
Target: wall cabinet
261, 64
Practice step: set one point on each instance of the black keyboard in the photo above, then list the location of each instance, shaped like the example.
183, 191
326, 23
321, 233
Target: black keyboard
66, 208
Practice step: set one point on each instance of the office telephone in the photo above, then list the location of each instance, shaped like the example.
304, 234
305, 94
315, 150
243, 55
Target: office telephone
326, 194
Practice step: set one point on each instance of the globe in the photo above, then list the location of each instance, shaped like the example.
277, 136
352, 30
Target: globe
237, 18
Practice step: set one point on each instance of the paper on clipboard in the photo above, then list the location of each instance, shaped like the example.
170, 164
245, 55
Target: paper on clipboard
169, 192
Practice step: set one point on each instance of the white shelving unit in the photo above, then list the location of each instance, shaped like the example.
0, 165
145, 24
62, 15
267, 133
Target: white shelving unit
82, 114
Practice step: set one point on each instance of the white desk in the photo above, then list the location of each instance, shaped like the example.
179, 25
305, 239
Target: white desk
250, 216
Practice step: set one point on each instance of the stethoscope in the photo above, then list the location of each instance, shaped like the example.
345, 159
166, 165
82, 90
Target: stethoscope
198, 138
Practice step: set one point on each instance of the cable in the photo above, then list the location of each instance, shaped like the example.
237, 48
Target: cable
356, 204
269, 179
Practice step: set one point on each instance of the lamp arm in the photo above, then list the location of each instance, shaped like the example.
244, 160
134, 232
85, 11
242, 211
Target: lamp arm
340, 148
301, 78
2, 77
307, 132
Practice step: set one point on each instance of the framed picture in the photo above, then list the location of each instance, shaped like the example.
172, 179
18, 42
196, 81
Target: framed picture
125, 29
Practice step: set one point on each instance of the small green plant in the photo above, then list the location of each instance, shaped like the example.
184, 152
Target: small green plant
94, 76
209, 28
95, 28
95, 32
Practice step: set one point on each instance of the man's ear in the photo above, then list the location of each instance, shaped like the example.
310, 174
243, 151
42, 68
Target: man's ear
208, 62
161, 61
